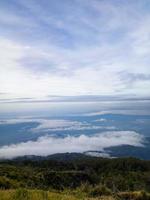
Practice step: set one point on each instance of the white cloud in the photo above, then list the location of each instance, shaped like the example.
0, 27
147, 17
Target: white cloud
61, 125
49, 145
46, 125
123, 111
25, 81
98, 154
101, 120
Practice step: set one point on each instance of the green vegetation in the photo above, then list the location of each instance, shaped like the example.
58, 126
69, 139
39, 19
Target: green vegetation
78, 178
24, 194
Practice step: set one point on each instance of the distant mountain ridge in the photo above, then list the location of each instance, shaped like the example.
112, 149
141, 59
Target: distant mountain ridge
56, 157
122, 151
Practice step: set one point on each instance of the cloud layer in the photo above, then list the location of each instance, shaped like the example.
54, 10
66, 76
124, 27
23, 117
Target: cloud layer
49, 145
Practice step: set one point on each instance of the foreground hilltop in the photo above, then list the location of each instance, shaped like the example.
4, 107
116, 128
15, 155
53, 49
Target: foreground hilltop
76, 174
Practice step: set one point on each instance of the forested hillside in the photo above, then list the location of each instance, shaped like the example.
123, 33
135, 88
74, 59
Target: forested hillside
95, 176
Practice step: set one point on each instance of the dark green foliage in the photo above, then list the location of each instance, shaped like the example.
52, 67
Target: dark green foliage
5, 182
123, 174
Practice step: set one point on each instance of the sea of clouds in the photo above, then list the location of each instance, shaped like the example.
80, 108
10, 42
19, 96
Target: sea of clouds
47, 145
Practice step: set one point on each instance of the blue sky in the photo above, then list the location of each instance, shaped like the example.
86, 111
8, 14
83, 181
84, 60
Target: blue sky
74, 48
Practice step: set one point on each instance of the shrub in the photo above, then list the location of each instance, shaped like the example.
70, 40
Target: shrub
85, 187
100, 190
21, 194
4, 183
134, 196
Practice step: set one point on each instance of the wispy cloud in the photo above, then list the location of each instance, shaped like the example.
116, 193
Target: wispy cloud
47, 125
49, 145
78, 98
74, 48
100, 120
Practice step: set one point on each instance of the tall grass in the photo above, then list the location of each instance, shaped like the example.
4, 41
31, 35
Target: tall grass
24, 194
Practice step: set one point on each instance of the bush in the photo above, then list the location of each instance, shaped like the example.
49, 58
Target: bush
21, 194
134, 196
85, 188
100, 190
4, 183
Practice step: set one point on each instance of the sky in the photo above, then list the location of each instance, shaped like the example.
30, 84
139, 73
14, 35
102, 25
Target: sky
74, 48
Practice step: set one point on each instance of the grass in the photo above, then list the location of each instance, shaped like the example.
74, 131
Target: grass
23, 194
